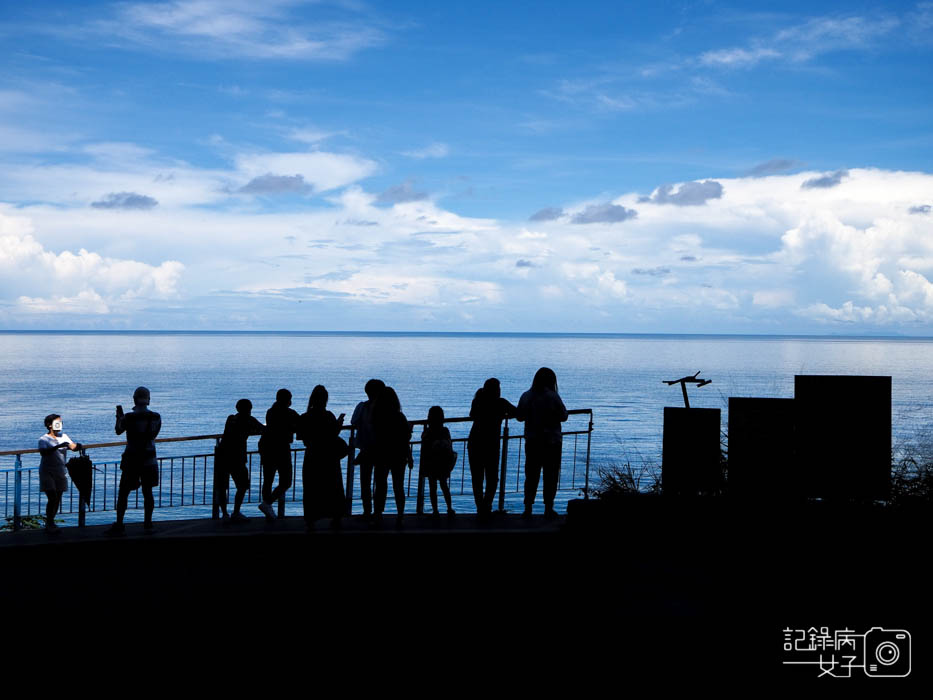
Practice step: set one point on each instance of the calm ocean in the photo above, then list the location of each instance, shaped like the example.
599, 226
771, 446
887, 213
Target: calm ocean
196, 378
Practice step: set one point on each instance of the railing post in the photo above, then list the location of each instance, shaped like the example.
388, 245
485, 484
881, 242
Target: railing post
419, 507
350, 464
503, 464
17, 492
215, 501
589, 437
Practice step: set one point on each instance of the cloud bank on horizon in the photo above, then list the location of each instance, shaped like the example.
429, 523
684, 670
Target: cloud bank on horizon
239, 195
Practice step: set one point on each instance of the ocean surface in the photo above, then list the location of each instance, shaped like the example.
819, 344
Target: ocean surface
196, 378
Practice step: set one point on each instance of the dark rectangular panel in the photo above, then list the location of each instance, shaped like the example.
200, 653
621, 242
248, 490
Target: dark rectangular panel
844, 435
691, 451
761, 449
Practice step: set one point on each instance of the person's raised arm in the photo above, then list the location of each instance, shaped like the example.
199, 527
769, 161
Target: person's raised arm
120, 426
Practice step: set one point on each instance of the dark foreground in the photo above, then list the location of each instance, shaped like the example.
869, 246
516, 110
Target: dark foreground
655, 591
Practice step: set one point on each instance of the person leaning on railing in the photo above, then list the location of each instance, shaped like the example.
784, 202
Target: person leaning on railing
275, 451
542, 411
232, 453
488, 410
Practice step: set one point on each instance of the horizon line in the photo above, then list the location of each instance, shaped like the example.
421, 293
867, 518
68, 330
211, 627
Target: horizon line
595, 334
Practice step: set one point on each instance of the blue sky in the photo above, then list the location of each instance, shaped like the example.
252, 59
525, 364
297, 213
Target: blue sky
602, 167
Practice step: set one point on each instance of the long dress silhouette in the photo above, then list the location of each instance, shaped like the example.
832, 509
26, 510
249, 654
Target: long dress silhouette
321, 479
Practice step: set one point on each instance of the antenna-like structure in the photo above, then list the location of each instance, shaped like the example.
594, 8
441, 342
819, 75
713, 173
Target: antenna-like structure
694, 379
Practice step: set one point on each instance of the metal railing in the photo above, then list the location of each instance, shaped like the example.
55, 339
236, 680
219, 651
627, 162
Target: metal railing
188, 480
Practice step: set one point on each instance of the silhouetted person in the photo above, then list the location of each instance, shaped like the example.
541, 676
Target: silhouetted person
437, 457
364, 440
232, 453
321, 479
53, 447
487, 411
393, 434
542, 411
139, 465
275, 450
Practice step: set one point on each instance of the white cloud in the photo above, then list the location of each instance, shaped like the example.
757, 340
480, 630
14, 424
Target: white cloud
220, 29
84, 302
737, 57
773, 298
805, 41
40, 280
384, 286
323, 171
434, 150
765, 251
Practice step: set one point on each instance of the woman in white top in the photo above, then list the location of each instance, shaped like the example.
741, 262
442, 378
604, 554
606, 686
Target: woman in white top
53, 478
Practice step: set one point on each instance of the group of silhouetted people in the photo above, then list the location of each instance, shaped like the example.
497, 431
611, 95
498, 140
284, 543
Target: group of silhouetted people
382, 437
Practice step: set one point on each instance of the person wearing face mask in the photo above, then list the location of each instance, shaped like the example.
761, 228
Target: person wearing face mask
139, 465
52, 480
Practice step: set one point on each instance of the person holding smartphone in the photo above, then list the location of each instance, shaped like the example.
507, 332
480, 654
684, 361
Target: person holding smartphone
139, 464
53, 447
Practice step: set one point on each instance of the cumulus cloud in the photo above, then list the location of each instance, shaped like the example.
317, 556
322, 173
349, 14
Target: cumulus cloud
276, 184
125, 200
920, 209
825, 181
688, 194
398, 194
774, 167
767, 255
546, 214
603, 213
38, 280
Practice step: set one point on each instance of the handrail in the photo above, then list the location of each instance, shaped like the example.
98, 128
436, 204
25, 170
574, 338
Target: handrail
23, 489
117, 444
188, 438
